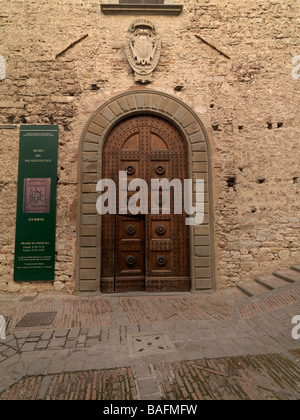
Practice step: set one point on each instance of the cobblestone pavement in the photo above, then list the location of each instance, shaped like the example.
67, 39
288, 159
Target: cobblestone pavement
186, 346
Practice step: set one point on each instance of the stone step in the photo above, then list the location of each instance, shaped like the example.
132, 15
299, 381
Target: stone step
245, 290
252, 288
289, 276
296, 268
270, 282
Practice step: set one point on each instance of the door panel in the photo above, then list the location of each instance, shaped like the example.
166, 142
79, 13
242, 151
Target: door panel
130, 253
156, 142
145, 252
133, 142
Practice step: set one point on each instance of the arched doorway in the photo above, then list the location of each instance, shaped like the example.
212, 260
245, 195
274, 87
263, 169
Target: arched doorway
129, 104
145, 252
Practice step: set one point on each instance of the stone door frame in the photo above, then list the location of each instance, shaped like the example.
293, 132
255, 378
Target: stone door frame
130, 103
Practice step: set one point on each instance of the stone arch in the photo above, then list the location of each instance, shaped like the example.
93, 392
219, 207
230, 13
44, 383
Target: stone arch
133, 102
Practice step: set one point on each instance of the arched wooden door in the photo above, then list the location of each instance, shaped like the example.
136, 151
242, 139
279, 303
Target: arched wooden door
145, 252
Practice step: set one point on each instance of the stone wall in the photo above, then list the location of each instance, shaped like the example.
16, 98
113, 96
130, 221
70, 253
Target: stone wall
237, 78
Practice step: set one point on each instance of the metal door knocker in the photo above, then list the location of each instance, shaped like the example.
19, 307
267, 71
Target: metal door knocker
160, 169
130, 170
130, 260
130, 230
160, 230
161, 261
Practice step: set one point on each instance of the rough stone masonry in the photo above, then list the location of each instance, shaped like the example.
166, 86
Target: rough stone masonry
231, 61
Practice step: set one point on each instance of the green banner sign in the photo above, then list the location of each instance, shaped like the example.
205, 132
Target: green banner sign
36, 203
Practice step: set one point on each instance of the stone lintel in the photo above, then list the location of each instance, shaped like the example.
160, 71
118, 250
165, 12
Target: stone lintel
142, 9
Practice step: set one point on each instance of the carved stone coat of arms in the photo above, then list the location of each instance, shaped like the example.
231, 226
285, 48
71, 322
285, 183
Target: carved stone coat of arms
143, 49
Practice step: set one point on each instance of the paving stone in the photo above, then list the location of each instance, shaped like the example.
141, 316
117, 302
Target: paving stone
63, 353
3, 347
267, 340
57, 342
136, 361
35, 333
42, 344
145, 328
13, 344
92, 342
60, 333
132, 328
47, 334
152, 397
28, 346
195, 351
286, 332
121, 319
21, 334
38, 367
142, 371
92, 363
292, 310
207, 334
94, 351
122, 361
243, 342
232, 348
148, 386
73, 333
94, 332
8, 338
158, 326
28, 357
117, 350
182, 353
78, 355
70, 344
9, 345
214, 352
44, 387
107, 363
74, 365
45, 354
114, 340
9, 352
6, 383
114, 332
32, 339
155, 358
56, 366
175, 357
81, 339
18, 368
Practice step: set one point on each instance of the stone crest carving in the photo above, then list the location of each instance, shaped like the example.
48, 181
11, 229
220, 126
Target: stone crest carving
143, 49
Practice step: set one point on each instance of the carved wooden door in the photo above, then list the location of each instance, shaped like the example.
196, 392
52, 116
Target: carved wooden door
145, 251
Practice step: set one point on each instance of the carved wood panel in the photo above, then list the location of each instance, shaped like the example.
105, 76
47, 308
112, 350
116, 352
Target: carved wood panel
145, 252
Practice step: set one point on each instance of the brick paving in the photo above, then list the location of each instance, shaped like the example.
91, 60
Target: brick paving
136, 347
268, 377
237, 378
72, 312
250, 309
113, 384
177, 308
279, 300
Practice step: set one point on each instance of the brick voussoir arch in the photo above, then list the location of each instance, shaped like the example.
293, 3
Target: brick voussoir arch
130, 103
